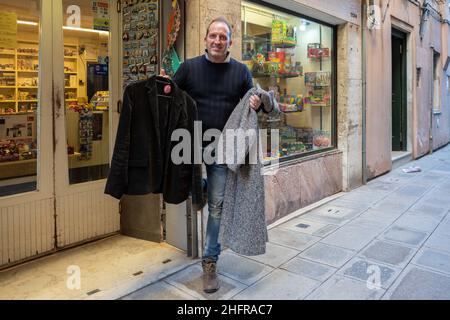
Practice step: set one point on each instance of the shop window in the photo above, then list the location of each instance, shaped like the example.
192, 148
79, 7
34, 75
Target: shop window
19, 101
86, 93
294, 56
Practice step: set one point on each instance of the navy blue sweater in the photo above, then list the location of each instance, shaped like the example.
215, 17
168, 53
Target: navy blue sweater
215, 87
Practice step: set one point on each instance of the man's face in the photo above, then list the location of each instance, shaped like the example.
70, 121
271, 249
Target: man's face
217, 41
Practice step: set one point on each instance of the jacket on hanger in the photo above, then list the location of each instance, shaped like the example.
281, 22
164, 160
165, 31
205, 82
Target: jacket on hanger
243, 223
141, 161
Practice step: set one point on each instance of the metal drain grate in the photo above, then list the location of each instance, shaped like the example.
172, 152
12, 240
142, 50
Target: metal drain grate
90, 293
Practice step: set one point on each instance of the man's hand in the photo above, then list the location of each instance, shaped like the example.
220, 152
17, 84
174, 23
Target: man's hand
162, 73
255, 102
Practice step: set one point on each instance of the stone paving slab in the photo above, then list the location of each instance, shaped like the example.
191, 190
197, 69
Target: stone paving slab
382, 186
443, 228
429, 209
432, 259
291, 239
419, 284
351, 237
376, 273
396, 176
333, 211
335, 215
388, 252
275, 255
309, 269
190, 281
311, 227
396, 204
279, 285
443, 200
327, 254
413, 191
159, 291
241, 269
403, 235
364, 196
342, 288
439, 242
360, 206
377, 225
386, 217
418, 221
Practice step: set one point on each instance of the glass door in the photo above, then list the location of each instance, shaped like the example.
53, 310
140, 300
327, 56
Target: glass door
26, 136
58, 85
85, 77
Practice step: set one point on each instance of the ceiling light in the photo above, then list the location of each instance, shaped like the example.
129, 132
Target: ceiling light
30, 23
86, 30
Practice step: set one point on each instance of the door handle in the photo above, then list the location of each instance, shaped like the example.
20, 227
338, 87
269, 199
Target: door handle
119, 106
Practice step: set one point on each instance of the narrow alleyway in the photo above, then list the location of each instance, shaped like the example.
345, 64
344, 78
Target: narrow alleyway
389, 239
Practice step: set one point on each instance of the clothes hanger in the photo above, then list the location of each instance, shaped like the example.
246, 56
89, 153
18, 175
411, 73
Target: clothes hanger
163, 80
166, 82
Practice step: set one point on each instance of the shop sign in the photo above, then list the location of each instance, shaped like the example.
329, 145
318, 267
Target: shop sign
100, 9
100, 69
8, 28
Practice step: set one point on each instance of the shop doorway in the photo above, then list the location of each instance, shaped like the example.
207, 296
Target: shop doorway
55, 140
399, 85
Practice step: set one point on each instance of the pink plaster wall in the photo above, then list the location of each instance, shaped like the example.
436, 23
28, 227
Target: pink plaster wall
405, 15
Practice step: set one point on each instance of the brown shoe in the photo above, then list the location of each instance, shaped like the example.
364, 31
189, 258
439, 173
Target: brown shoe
210, 279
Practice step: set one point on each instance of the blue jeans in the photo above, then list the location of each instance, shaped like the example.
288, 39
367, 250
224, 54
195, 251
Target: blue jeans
216, 177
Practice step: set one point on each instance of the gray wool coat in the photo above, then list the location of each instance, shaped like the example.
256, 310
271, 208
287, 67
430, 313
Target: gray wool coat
243, 224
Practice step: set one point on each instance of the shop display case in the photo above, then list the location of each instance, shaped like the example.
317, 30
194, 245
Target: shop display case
292, 56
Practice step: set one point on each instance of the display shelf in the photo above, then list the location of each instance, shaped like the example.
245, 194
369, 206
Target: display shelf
285, 45
18, 112
4, 163
247, 38
268, 75
27, 55
16, 58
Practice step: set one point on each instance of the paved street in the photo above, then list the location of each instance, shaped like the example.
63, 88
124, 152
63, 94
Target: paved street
389, 239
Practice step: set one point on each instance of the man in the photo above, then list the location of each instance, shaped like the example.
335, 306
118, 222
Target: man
216, 82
